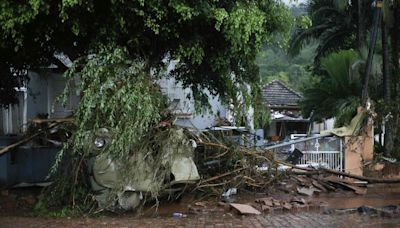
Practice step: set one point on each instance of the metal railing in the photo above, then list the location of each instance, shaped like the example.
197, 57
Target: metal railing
318, 151
326, 159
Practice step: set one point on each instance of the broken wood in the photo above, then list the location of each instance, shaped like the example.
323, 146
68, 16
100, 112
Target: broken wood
19, 143
53, 120
319, 186
222, 175
331, 171
336, 180
25, 140
245, 209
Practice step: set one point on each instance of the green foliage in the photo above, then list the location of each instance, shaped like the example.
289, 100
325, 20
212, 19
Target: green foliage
41, 210
262, 116
211, 39
334, 25
116, 93
281, 76
275, 64
303, 22
338, 93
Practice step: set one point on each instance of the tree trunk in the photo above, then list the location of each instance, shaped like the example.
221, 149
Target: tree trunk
361, 27
395, 72
385, 61
386, 88
394, 33
371, 50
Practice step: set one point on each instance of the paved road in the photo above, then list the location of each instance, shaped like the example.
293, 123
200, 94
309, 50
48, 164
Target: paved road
211, 221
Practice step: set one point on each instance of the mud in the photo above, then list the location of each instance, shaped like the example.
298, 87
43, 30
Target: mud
378, 195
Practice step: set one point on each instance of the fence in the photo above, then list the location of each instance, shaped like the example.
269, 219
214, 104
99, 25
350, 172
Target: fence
318, 151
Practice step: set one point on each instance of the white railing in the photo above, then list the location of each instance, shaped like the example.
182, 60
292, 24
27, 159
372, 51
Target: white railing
326, 159
318, 151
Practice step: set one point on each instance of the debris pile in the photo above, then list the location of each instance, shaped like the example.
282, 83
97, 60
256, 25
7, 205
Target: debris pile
389, 211
270, 204
308, 185
225, 166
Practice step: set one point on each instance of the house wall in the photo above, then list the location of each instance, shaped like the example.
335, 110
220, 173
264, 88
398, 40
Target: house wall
46, 86
37, 95
56, 85
12, 117
323, 126
189, 118
43, 88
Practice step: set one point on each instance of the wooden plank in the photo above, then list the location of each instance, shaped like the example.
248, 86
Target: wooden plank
53, 120
25, 140
245, 209
336, 180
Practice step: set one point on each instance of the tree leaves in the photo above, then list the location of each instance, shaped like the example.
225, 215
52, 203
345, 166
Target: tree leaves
338, 93
116, 93
211, 39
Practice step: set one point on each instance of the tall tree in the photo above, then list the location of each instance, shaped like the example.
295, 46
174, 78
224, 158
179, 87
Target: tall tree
335, 24
391, 20
211, 39
338, 92
361, 24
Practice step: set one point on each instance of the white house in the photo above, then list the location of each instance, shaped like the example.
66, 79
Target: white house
38, 99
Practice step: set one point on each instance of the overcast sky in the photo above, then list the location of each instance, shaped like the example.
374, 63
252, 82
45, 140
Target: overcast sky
289, 2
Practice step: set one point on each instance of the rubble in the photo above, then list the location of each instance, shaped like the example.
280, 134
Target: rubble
270, 204
225, 168
306, 191
245, 209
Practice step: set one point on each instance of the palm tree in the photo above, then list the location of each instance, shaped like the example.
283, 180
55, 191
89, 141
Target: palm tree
338, 92
334, 26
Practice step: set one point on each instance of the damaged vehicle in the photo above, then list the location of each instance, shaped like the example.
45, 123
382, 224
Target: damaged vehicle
164, 167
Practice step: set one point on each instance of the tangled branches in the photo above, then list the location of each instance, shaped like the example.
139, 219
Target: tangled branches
224, 165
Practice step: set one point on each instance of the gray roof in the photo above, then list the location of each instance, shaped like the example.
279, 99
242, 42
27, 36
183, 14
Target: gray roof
276, 94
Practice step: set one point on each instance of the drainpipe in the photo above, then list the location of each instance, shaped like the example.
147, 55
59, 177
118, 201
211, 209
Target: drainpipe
24, 90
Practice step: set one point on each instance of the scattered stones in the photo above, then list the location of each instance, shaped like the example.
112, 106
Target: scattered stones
269, 205
287, 206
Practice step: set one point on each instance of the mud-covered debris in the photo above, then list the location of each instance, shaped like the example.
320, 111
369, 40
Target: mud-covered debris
287, 205
245, 209
346, 184
265, 201
299, 200
307, 191
319, 186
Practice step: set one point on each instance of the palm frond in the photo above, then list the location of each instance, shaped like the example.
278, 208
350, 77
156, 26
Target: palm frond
324, 12
338, 93
303, 37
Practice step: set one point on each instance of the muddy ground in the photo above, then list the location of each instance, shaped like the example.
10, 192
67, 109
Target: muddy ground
16, 210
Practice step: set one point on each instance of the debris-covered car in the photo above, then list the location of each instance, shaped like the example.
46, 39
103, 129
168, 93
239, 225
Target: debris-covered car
162, 167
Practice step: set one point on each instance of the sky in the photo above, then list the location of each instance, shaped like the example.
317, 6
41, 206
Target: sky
290, 2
